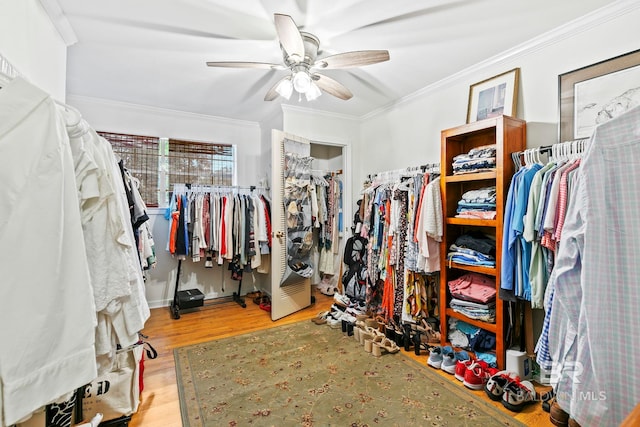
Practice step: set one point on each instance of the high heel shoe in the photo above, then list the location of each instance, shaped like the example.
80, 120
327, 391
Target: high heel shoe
407, 337
432, 336
370, 343
384, 345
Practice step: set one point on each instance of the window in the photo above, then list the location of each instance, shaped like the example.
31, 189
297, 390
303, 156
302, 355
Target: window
159, 163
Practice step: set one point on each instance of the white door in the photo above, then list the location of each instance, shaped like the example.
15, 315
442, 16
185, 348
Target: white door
296, 296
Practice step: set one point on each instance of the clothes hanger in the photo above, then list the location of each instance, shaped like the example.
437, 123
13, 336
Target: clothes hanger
515, 158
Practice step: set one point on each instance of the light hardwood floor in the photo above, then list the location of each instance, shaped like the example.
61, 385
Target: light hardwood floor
160, 406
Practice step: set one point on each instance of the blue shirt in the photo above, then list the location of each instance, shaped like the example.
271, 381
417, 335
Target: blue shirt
507, 281
523, 285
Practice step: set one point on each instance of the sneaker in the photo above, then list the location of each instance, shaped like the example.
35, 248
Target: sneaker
341, 300
448, 360
461, 368
477, 375
435, 357
321, 318
497, 383
334, 320
518, 394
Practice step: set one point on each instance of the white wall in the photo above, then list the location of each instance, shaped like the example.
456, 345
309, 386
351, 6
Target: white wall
408, 133
120, 117
266, 126
33, 46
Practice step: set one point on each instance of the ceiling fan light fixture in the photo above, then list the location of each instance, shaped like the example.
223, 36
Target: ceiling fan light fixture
285, 88
301, 81
313, 92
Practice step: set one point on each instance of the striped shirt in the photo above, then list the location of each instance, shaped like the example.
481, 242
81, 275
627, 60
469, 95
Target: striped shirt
594, 332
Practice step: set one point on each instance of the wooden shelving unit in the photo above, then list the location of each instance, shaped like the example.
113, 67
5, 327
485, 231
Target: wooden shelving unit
509, 135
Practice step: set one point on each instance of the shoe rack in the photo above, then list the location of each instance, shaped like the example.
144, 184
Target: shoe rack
509, 135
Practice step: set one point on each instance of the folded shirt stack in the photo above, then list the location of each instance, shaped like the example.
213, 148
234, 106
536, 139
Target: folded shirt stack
473, 249
474, 295
484, 312
479, 203
479, 159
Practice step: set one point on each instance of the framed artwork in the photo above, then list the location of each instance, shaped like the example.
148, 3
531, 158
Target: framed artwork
494, 96
596, 93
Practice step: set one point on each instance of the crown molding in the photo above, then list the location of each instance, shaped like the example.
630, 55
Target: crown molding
590, 20
108, 102
60, 21
286, 108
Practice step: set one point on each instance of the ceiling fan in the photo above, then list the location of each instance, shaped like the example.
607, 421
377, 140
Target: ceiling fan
299, 52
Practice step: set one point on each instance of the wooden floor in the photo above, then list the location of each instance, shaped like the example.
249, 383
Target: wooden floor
160, 405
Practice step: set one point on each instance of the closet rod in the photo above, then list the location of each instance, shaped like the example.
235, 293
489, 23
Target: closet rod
423, 168
549, 148
325, 172
220, 187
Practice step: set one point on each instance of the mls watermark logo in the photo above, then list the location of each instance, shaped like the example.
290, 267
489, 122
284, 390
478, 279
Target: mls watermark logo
592, 395
574, 371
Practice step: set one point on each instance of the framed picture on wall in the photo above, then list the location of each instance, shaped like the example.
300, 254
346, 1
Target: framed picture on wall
597, 93
494, 96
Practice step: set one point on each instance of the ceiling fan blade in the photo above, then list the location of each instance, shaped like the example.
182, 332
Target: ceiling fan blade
357, 58
290, 37
332, 87
234, 64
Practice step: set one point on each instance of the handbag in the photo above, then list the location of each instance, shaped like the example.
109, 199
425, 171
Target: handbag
116, 393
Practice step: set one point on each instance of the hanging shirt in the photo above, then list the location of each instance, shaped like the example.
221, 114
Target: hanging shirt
430, 228
523, 286
537, 269
594, 322
48, 341
509, 241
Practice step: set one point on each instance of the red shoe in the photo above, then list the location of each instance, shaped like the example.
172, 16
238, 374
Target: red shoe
461, 368
477, 375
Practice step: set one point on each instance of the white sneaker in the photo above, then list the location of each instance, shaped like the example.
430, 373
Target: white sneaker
435, 357
448, 363
334, 320
518, 394
341, 300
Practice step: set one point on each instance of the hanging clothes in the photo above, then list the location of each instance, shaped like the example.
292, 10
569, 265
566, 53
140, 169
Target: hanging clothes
90, 271
215, 221
402, 221
596, 296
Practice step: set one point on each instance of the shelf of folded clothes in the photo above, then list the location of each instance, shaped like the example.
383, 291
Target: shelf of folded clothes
472, 298
479, 203
481, 341
477, 160
491, 327
473, 251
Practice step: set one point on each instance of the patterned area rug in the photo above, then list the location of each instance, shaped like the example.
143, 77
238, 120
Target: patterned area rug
308, 375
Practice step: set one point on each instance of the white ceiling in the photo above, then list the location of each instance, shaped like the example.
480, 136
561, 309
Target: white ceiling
153, 52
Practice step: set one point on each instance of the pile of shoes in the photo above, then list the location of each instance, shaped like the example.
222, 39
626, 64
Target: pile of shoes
507, 387
374, 341
446, 358
263, 301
